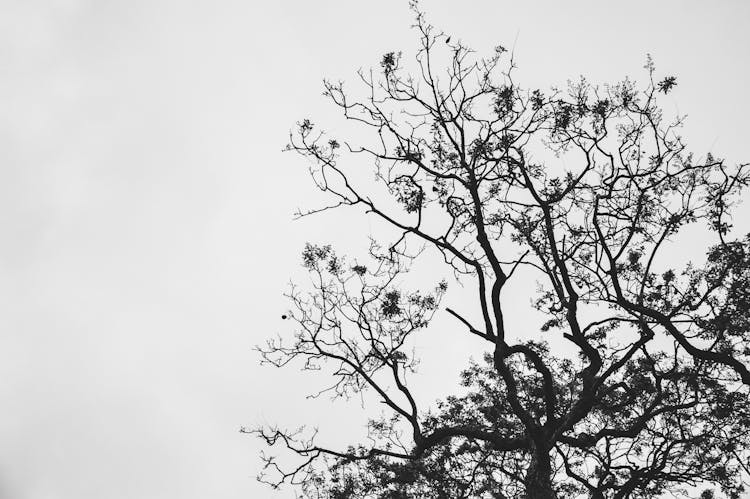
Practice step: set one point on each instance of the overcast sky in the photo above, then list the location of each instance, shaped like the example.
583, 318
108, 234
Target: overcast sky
146, 230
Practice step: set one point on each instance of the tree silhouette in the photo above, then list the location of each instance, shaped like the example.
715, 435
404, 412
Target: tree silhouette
583, 189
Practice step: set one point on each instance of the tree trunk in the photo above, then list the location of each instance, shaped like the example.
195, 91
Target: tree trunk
538, 481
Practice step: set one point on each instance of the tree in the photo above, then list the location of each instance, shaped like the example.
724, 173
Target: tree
583, 189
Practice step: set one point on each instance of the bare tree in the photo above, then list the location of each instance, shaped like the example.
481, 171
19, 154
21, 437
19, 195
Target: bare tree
582, 188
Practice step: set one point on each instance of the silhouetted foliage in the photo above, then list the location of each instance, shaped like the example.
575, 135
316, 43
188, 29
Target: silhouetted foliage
584, 189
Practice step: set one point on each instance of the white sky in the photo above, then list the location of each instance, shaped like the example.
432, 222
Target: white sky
145, 209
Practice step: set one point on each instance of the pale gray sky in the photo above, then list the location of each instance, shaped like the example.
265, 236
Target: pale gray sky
145, 209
